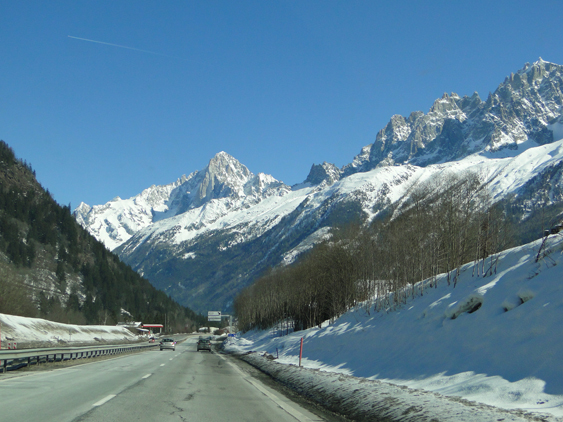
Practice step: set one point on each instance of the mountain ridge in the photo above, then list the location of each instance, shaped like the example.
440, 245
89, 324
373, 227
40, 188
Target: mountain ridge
222, 226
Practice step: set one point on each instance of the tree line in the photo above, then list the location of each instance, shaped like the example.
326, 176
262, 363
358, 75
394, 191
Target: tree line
437, 227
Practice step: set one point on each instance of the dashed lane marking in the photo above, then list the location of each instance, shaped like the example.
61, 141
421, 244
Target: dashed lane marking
104, 400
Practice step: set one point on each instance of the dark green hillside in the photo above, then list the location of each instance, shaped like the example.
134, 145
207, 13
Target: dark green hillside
52, 268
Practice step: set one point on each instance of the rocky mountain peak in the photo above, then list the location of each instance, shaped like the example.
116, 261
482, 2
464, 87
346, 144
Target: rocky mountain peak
522, 108
225, 165
325, 172
223, 176
532, 77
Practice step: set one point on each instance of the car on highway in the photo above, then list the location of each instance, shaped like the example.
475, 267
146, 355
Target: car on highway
204, 344
167, 343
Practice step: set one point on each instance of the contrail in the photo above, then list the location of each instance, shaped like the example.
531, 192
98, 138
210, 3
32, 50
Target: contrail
120, 46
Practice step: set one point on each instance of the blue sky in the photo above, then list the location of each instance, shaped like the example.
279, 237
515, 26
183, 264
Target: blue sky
279, 85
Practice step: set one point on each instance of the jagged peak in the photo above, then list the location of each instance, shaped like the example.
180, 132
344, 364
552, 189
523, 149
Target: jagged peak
224, 169
542, 62
445, 102
225, 161
222, 155
323, 172
223, 175
82, 207
539, 65
531, 75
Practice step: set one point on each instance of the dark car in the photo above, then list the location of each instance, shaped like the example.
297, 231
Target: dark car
167, 343
204, 344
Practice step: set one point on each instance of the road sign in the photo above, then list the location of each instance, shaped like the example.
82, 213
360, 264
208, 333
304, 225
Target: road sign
214, 316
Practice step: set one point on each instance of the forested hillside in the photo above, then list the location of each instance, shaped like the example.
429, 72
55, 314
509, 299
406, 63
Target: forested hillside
52, 268
436, 228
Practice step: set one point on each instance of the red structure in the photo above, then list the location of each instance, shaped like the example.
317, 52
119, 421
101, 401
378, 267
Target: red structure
150, 327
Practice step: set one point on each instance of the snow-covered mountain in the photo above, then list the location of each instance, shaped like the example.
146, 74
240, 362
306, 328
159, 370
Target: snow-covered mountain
223, 179
206, 236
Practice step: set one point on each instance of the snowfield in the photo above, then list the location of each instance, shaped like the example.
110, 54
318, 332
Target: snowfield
496, 340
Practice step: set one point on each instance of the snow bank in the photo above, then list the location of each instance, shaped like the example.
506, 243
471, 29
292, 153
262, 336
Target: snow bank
495, 340
36, 332
363, 399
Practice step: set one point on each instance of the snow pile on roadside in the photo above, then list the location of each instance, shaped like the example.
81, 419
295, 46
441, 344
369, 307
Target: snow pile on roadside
362, 399
37, 332
506, 353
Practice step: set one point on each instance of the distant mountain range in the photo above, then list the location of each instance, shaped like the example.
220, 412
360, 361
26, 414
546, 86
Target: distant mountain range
206, 236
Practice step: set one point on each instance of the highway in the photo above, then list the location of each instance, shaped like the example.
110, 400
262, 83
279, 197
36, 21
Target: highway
181, 385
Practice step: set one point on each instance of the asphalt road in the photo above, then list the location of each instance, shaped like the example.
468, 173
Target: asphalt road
159, 386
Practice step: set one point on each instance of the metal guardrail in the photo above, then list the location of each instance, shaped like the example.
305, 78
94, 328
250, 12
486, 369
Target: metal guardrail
15, 359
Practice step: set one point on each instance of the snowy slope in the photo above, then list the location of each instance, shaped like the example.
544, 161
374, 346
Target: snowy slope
507, 353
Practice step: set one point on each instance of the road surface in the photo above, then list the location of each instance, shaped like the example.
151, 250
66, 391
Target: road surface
159, 386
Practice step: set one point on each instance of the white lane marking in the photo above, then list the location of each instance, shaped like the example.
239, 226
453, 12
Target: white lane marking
259, 386
146, 376
162, 364
104, 400
170, 358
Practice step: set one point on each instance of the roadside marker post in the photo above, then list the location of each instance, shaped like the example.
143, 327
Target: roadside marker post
300, 351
